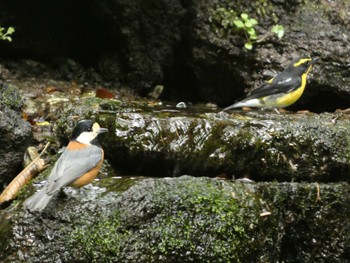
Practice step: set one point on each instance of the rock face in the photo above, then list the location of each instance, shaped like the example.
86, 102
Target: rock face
192, 218
186, 47
130, 42
183, 219
220, 68
144, 35
262, 146
15, 134
190, 47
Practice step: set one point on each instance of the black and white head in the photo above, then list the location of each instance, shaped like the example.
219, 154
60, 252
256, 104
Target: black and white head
300, 65
86, 131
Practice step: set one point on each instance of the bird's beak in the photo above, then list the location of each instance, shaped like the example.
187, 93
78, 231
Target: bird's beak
102, 130
315, 60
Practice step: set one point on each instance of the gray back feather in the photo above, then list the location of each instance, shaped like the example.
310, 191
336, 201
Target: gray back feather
71, 165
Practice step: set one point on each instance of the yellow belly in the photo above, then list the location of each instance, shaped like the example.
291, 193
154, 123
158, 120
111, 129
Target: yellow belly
286, 99
290, 98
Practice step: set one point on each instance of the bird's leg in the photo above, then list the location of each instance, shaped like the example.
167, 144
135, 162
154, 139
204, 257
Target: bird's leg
276, 110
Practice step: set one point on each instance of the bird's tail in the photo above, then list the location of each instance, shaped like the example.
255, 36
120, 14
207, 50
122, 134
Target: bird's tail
38, 201
235, 105
248, 102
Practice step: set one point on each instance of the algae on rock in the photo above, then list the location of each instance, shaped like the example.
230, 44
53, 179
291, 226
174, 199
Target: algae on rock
264, 147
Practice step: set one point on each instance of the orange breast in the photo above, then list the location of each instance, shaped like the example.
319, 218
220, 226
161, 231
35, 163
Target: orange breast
90, 175
74, 145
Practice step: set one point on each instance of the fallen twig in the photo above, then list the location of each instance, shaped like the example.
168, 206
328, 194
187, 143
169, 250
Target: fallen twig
23, 177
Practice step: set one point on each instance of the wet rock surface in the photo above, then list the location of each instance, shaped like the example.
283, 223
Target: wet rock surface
167, 141
183, 219
194, 218
262, 146
187, 218
297, 210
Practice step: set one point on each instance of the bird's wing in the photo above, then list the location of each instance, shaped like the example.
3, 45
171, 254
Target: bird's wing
71, 165
280, 84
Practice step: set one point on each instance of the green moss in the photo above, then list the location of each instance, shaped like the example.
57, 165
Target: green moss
263, 146
205, 220
291, 150
335, 12
315, 220
265, 10
103, 239
190, 219
204, 210
10, 97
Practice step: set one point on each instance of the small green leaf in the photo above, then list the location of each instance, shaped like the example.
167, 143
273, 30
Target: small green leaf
251, 31
248, 46
280, 34
5, 36
238, 23
10, 30
253, 21
278, 30
247, 23
244, 16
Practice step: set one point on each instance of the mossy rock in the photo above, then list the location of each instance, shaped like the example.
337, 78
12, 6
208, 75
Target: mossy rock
183, 219
258, 145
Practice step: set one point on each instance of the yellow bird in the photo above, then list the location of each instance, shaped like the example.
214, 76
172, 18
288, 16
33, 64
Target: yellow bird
281, 91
